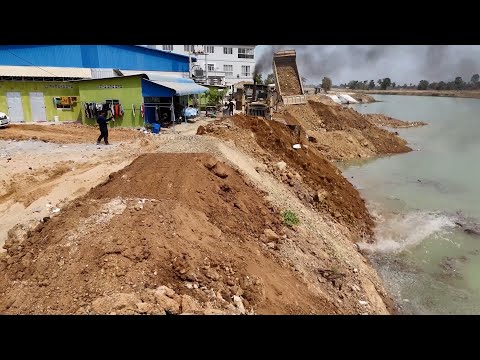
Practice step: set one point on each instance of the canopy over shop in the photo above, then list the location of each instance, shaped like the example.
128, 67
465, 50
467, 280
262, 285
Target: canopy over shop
135, 100
166, 99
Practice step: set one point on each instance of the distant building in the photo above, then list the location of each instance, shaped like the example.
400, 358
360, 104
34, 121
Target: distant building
44, 83
217, 64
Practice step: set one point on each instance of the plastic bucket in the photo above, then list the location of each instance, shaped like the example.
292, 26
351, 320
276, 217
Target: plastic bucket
155, 128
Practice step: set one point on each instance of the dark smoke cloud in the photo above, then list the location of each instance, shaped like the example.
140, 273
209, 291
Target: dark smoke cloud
402, 63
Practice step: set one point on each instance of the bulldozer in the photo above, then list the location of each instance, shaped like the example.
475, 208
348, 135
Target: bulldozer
257, 99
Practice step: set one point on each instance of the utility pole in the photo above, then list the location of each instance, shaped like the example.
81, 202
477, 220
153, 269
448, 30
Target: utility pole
206, 65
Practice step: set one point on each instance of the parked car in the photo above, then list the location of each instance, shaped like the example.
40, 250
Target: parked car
4, 120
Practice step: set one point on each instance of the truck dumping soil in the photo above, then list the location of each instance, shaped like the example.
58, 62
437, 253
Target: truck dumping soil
65, 133
287, 76
168, 234
315, 180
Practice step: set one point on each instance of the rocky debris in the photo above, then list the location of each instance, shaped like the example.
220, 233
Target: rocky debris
261, 168
239, 304
271, 235
165, 290
119, 302
170, 306
217, 167
190, 306
281, 165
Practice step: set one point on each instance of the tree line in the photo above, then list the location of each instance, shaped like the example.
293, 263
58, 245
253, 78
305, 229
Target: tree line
386, 83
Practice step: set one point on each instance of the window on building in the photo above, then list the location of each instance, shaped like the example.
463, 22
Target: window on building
209, 49
211, 67
64, 102
227, 50
228, 69
167, 47
245, 53
246, 70
188, 48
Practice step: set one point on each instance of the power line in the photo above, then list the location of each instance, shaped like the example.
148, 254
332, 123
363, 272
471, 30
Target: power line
32, 64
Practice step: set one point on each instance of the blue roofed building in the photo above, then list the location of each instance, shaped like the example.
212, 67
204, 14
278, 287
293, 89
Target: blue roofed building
45, 82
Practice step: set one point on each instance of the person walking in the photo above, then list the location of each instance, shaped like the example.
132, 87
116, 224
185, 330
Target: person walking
231, 106
102, 125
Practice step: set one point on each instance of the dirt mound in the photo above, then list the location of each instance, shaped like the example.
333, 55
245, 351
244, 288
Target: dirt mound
314, 179
170, 233
363, 98
65, 133
383, 120
287, 76
341, 133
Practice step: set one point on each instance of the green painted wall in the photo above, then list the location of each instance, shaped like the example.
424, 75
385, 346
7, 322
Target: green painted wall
49, 92
130, 93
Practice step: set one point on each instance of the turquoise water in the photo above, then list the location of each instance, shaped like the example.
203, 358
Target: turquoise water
429, 263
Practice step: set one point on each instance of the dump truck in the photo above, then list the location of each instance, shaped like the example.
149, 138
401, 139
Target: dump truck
287, 78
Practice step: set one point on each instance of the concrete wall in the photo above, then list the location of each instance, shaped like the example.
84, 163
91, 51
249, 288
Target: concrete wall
49, 92
129, 93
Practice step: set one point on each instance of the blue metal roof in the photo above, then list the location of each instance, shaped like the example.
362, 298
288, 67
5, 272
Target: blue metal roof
129, 57
172, 87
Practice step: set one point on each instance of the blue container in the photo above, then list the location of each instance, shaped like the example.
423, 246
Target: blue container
155, 128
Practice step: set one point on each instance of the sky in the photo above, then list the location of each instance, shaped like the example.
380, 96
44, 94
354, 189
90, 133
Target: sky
401, 63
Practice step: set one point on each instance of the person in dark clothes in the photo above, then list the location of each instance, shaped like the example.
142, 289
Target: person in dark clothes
102, 125
231, 106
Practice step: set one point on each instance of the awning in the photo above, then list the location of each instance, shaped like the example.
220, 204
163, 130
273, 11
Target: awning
45, 71
174, 88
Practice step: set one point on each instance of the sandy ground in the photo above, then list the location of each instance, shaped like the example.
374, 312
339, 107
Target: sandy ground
313, 268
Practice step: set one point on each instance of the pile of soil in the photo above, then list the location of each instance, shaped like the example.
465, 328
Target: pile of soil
314, 179
341, 133
363, 98
287, 76
383, 120
66, 133
168, 234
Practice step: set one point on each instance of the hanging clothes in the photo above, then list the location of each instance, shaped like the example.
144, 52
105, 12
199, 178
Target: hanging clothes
157, 116
121, 109
142, 111
117, 110
133, 110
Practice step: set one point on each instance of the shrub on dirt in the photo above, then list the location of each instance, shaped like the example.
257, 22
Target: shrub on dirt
290, 218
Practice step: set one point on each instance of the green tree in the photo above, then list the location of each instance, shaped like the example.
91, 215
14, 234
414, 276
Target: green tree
422, 85
270, 79
384, 83
215, 97
475, 79
326, 84
394, 85
353, 84
371, 85
459, 83
258, 79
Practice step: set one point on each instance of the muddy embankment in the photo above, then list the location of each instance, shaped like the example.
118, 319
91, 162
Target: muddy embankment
341, 133
187, 233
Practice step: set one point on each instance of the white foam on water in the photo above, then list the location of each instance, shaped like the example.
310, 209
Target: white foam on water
400, 232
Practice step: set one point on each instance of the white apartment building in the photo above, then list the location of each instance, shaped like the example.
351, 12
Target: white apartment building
221, 64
